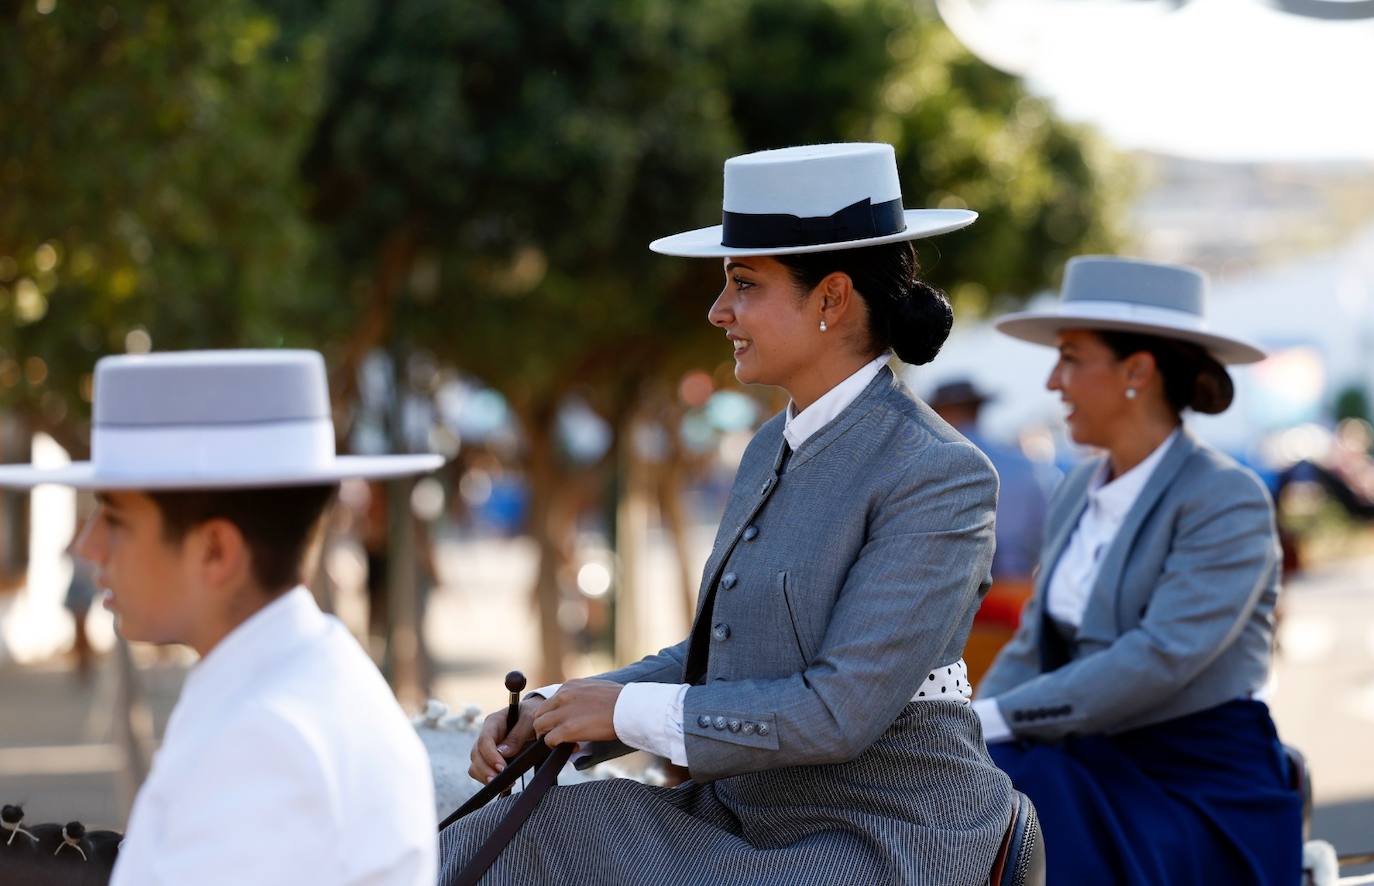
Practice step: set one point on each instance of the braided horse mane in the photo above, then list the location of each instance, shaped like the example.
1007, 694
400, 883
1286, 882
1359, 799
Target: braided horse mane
54, 854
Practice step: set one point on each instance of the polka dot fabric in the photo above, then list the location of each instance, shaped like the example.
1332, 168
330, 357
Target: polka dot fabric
946, 683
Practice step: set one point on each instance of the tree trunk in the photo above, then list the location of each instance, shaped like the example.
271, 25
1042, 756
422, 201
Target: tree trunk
546, 528
403, 649
631, 528
16, 446
671, 476
394, 262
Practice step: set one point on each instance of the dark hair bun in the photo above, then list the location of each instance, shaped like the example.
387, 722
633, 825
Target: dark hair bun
921, 319
1213, 390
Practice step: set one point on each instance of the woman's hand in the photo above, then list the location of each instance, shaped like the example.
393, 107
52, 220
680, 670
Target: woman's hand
583, 710
494, 747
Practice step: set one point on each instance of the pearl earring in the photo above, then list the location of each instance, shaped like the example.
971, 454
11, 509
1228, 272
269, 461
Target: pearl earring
823, 326
1130, 393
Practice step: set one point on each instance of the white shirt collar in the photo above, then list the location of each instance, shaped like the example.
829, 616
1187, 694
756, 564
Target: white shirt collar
1114, 499
799, 426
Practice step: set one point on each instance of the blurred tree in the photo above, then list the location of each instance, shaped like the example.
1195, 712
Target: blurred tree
488, 176
148, 160
489, 173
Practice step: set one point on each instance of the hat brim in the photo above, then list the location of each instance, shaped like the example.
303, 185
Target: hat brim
705, 242
86, 475
1043, 327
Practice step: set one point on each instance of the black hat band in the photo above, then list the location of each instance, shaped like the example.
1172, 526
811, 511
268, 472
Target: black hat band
857, 221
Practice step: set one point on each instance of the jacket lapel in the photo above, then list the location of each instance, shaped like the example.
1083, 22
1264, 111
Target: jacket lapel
1065, 520
868, 398
1099, 619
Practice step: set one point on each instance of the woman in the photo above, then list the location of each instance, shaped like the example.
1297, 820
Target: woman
1127, 705
819, 702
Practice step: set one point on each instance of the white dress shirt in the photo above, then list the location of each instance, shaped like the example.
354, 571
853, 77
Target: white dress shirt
286, 761
1075, 574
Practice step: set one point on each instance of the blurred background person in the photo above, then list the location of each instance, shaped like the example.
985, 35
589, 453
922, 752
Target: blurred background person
81, 593
1128, 706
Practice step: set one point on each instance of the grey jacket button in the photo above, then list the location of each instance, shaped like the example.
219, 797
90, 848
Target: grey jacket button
735, 725
748, 727
763, 729
720, 723
729, 580
751, 533
721, 631
704, 721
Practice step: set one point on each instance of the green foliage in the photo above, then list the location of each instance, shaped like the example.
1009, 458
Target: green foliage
530, 150
148, 157
220, 172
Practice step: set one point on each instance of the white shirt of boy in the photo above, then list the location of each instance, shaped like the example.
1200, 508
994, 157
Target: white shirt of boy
286, 761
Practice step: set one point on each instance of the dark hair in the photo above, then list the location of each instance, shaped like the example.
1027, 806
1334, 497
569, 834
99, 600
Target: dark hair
1193, 379
278, 524
905, 313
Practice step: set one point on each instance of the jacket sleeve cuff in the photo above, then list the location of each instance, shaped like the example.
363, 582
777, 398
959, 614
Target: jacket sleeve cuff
648, 717
994, 725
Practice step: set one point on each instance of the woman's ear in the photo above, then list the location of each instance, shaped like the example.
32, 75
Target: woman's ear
836, 290
1140, 369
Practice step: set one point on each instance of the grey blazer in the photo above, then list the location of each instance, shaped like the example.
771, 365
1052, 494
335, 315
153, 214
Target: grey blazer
838, 585
1180, 618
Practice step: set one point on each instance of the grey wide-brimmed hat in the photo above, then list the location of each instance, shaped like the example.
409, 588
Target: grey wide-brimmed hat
1129, 295
213, 420
813, 198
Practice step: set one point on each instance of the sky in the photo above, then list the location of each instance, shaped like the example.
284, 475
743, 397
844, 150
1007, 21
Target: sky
1230, 80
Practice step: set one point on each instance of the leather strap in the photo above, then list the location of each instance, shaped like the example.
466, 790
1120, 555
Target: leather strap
549, 763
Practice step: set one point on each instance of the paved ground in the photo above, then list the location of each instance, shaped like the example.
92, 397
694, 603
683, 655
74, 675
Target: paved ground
56, 754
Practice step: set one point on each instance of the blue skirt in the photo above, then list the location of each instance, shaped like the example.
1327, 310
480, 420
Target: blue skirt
1204, 798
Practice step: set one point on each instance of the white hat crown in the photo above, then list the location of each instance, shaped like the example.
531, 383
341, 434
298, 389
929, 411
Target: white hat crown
811, 180
213, 419
196, 412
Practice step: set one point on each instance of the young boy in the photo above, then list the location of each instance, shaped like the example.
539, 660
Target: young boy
286, 759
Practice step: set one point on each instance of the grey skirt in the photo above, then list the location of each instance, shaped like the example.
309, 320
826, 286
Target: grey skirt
923, 805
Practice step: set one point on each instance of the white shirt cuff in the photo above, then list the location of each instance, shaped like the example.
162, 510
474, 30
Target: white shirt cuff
648, 717
994, 726
546, 691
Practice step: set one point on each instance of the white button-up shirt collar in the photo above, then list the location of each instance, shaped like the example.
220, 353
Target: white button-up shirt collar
1108, 504
798, 426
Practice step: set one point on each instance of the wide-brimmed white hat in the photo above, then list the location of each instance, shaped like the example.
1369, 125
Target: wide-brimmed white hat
213, 420
1129, 295
814, 198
